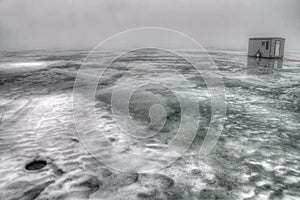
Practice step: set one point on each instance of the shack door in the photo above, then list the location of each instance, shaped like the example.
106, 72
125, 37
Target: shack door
277, 47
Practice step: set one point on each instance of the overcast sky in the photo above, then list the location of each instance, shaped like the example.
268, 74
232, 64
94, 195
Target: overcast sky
43, 24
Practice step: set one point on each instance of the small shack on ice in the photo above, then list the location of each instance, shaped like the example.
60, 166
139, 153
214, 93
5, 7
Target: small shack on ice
266, 47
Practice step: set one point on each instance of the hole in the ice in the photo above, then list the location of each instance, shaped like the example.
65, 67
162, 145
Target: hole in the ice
36, 165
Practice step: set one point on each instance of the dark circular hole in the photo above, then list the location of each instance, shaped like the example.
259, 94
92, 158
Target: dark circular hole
36, 165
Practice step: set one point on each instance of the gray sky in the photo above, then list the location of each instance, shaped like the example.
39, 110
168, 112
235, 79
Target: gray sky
40, 24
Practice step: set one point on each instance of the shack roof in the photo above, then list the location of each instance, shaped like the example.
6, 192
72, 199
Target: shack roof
266, 38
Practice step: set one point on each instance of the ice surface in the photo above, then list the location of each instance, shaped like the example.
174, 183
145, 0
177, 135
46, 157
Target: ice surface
257, 155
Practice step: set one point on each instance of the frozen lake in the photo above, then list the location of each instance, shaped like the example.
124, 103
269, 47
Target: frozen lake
257, 155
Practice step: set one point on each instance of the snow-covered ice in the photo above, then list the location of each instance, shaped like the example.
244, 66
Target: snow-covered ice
257, 155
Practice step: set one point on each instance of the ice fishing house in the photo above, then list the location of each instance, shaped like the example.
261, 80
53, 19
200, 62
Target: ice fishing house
266, 47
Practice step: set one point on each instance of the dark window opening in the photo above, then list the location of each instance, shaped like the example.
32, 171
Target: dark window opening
267, 45
263, 43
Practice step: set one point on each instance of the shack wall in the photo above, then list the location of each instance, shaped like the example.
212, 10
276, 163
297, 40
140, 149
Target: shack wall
257, 44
